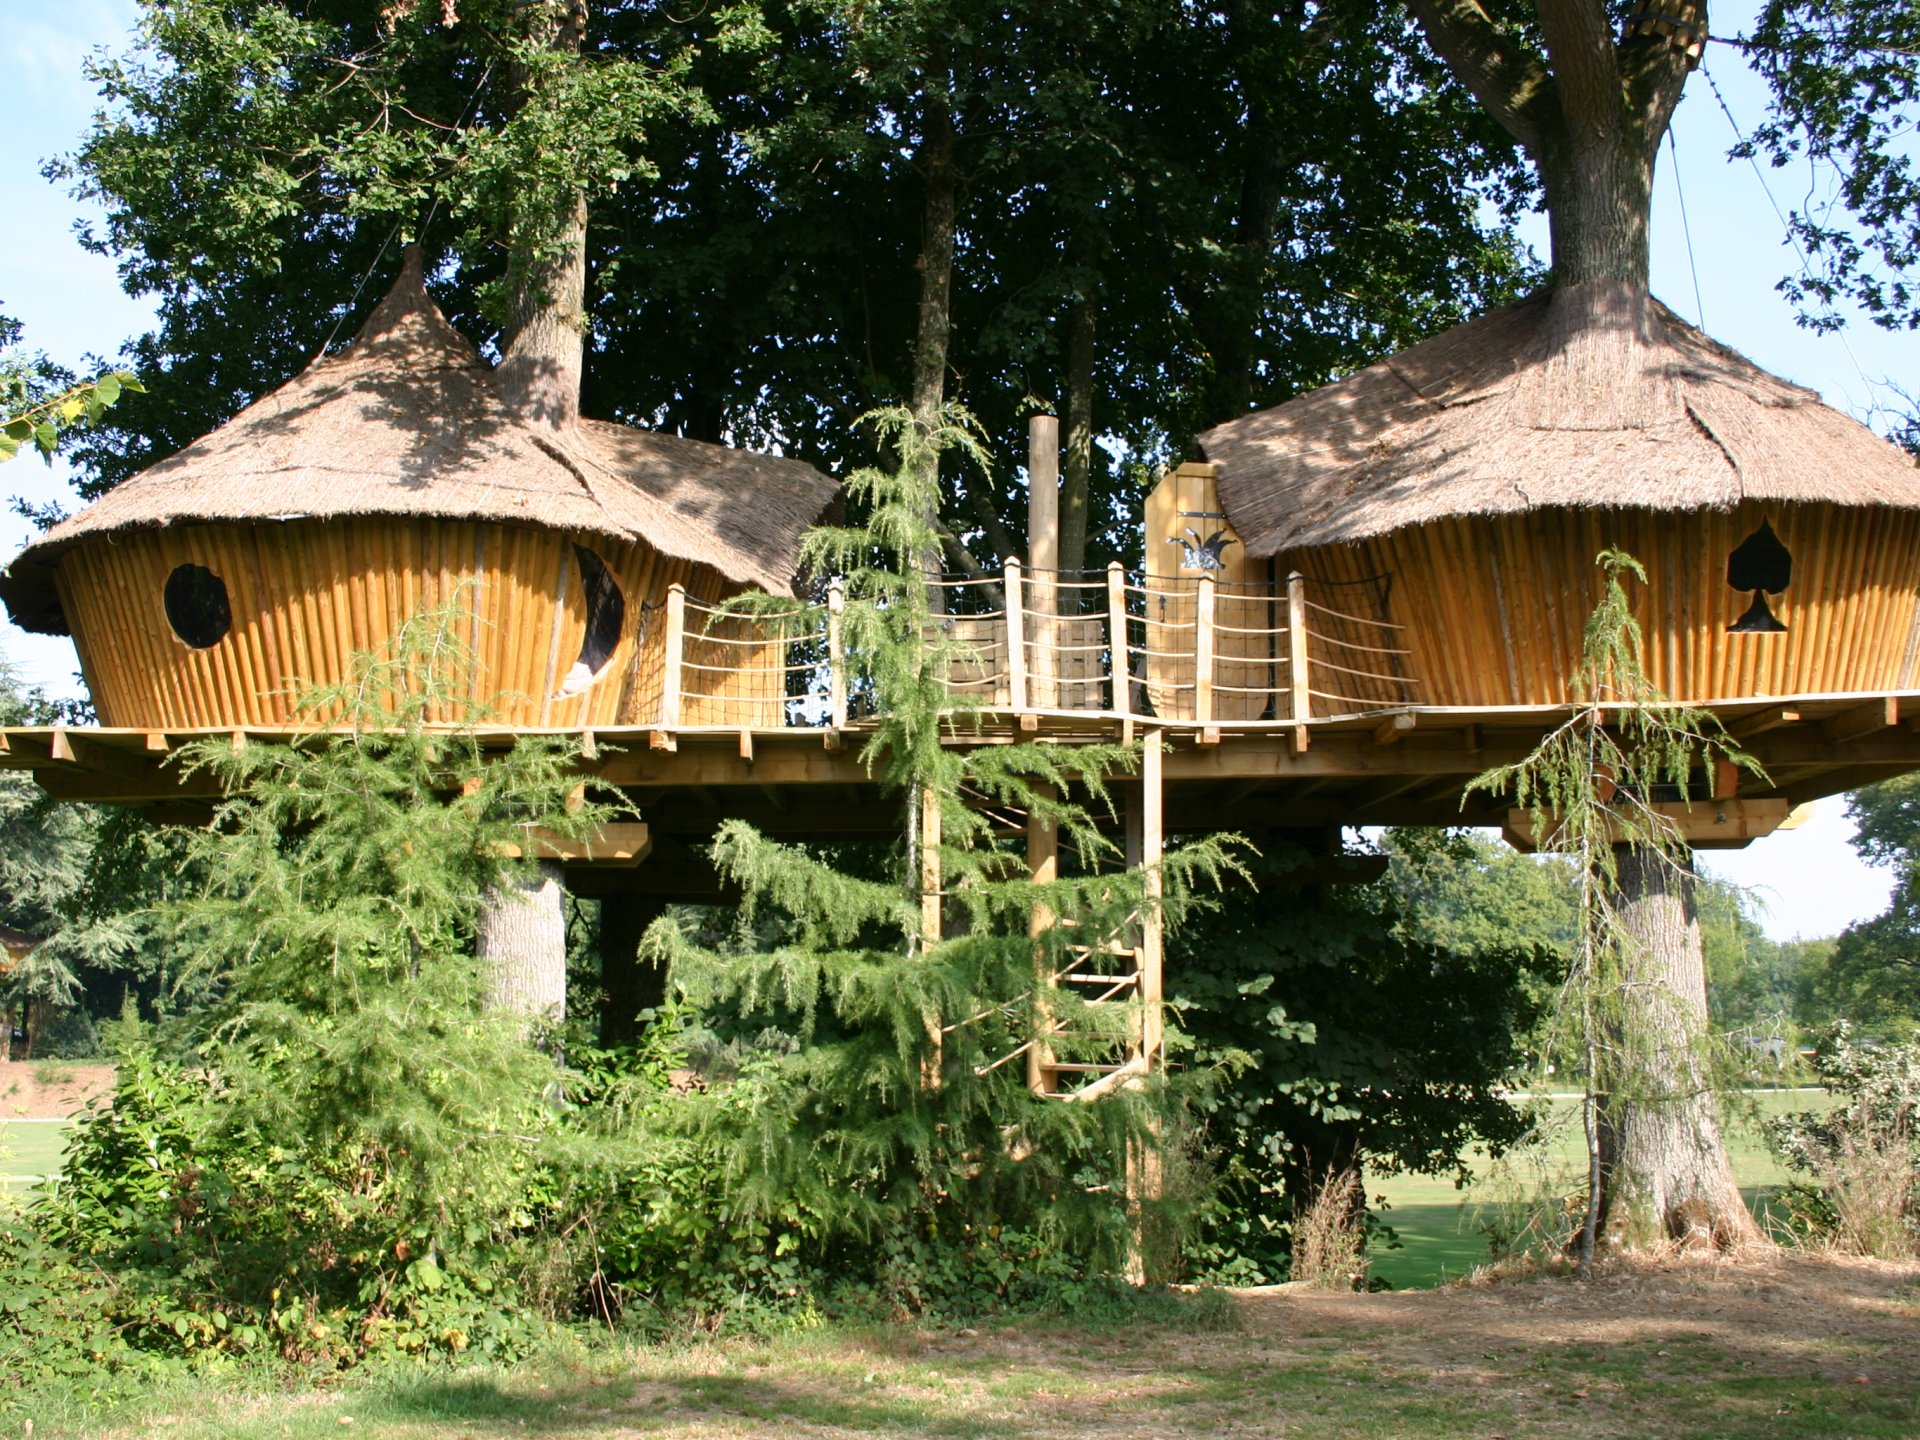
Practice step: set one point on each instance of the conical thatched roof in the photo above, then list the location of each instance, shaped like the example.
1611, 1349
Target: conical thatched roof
1594, 395
408, 421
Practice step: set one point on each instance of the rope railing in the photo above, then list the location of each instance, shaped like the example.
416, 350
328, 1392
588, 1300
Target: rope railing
1189, 651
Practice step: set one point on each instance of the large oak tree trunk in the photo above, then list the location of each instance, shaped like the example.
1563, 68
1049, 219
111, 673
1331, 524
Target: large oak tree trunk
933, 327
1664, 1169
521, 939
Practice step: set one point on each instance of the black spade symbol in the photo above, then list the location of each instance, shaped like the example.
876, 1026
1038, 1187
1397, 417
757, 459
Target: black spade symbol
1762, 565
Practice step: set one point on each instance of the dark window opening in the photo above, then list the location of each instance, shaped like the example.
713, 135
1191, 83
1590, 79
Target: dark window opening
606, 615
196, 606
1762, 565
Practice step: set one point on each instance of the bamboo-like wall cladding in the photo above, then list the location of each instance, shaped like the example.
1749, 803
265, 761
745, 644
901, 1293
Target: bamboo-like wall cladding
1492, 609
307, 595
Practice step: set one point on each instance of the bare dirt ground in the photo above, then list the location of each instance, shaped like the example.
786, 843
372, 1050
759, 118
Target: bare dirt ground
49, 1089
1785, 1348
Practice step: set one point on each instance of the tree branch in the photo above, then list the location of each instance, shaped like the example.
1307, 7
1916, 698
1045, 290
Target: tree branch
1655, 71
1505, 78
1585, 71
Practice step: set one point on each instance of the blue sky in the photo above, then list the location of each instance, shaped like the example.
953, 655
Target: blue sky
1809, 880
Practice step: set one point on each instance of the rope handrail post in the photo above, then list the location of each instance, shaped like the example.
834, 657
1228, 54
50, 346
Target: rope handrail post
1302, 707
1203, 653
1016, 640
676, 645
1119, 663
836, 657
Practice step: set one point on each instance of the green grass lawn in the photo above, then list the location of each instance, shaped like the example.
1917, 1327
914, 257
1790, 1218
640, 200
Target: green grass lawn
29, 1150
1440, 1227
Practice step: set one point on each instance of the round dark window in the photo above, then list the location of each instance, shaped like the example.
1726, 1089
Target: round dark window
197, 608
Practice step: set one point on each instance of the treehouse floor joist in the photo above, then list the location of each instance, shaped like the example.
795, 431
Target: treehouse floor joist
1405, 766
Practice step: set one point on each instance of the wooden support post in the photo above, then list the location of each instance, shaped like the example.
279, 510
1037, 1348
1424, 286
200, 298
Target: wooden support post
836, 657
1203, 654
931, 926
676, 645
1297, 659
1043, 554
1118, 660
1152, 919
1043, 868
1016, 640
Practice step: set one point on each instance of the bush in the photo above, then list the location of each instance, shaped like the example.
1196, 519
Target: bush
1862, 1158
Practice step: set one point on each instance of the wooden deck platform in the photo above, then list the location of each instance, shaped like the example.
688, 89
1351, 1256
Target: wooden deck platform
1403, 766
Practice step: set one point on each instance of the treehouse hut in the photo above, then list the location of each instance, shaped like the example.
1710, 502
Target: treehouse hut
1464, 487
394, 478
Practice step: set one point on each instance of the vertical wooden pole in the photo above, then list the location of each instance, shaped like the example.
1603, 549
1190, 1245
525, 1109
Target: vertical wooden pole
1016, 640
932, 930
1118, 659
836, 657
1043, 868
676, 650
1145, 848
1152, 919
1043, 554
1297, 659
1203, 654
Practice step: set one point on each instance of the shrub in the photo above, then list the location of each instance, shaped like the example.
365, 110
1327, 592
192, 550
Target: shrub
1861, 1159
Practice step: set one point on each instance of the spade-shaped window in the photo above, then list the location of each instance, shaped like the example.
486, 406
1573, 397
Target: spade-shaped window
606, 614
195, 600
1762, 566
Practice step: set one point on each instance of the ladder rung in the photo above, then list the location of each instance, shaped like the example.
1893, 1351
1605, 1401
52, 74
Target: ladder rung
1079, 1069
1080, 977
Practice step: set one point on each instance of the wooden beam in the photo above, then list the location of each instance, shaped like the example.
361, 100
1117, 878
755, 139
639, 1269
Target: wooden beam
746, 746
1761, 721
1704, 825
618, 842
1862, 720
1393, 729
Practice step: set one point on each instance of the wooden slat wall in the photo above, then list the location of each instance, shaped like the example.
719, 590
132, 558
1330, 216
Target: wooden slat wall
306, 596
1494, 608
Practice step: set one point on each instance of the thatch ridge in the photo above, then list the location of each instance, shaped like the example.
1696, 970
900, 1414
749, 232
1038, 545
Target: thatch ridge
1593, 395
409, 421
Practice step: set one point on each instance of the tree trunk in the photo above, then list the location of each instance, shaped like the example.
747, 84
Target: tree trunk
631, 984
1599, 198
934, 324
540, 372
521, 939
1664, 1168
1077, 469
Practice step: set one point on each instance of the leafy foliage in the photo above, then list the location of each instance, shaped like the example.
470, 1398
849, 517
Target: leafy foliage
39, 401
1845, 75
1370, 1048
870, 1084
1862, 1157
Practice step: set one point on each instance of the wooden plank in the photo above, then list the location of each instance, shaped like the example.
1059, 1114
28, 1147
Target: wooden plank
1706, 824
1203, 637
675, 652
836, 657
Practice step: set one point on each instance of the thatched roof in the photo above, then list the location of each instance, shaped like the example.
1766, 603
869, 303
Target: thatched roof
1595, 395
408, 420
